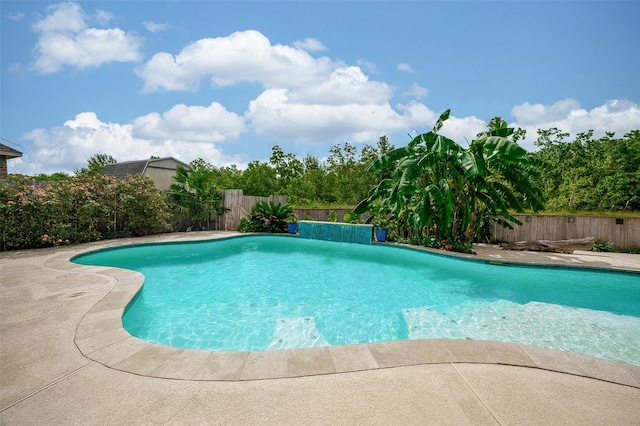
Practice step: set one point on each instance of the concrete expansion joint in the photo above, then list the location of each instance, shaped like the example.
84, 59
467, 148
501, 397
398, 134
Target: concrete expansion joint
53, 383
476, 394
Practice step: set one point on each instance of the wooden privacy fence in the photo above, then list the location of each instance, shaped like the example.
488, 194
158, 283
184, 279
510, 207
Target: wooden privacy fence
322, 215
240, 205
623, 233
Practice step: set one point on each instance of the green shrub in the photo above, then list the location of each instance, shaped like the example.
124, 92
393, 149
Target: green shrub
332, 217
350, 218
457, 246
79, 209
603, 246
268, 217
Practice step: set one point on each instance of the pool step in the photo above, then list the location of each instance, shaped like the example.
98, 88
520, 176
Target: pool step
461, 321
296, 333
425, 323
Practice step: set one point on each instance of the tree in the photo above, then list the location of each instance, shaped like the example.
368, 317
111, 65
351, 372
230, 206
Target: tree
96, 163
287, 167
259, 179
440, 188
588, 173
196, 194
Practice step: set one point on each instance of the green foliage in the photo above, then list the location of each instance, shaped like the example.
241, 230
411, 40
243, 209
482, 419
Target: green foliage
195, 193
457, 246
79, 209
332, 216
341, 179
380, 222
268, 217
440, 188
588, 173
54, 177
95, 164
603, 246
350, 218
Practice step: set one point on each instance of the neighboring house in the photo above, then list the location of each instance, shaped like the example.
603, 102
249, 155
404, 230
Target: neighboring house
6, 152
160, 170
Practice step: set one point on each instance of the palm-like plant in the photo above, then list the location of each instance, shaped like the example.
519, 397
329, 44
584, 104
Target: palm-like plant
196, 195
440, 188
267, 216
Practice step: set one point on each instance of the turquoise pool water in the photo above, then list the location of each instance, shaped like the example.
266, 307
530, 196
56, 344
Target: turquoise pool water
257, 293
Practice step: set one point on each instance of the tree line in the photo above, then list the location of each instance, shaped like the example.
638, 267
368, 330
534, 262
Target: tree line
431, 191
583, 174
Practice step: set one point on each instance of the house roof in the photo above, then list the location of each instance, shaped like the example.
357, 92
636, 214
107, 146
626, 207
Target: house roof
9, 152
125, 168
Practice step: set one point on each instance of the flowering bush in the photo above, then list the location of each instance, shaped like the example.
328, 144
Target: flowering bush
457, 246
79, 209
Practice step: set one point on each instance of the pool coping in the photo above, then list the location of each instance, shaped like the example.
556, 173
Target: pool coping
100, 337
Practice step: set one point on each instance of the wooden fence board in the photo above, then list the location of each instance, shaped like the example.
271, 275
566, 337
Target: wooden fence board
623, 235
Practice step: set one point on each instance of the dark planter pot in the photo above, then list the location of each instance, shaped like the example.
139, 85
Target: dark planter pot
381, 235
293, 228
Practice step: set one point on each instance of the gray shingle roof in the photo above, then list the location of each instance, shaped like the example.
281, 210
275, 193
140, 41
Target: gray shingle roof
124, 169
9, 152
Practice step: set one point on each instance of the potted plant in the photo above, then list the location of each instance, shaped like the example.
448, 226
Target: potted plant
292, 224
380, 226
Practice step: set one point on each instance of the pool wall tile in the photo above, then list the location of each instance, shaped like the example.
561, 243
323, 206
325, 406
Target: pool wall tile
266, 365
352, 358
334, 231
310, 362
222, 366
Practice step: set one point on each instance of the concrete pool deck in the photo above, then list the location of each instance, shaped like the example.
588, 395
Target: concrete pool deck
65, 359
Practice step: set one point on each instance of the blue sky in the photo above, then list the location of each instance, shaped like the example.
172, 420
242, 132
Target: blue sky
225, 81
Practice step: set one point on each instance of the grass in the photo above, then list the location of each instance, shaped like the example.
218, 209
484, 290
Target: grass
601, 213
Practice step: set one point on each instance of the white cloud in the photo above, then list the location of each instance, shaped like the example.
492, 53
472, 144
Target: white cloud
618, 116
246, 56
406, 68
182, 132
103, 17
275, 116
16, 16
416, 91
310, 45
191, 123
155, 27
368, 66
65, 40
348, 85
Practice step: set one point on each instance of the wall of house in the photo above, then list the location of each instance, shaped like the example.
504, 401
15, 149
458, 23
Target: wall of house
3, 166
624, 233
162, 173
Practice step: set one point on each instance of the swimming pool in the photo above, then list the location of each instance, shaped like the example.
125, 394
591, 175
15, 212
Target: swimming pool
276, 292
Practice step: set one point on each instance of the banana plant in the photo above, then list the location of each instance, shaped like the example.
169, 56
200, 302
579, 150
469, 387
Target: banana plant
449, 191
